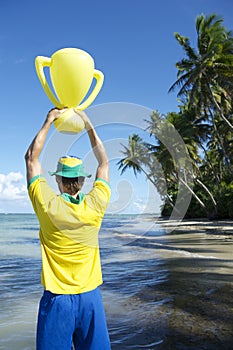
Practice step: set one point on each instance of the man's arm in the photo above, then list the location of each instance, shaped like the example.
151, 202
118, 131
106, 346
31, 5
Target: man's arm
97, 146
33, 165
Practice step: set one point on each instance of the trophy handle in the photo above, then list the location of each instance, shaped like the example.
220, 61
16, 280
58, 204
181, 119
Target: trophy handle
98, 75
40, 63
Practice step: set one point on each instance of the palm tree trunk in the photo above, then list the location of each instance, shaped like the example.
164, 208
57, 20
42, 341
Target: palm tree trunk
209, 193
221, 144
194, 195
216, 176
219, 109
155, 184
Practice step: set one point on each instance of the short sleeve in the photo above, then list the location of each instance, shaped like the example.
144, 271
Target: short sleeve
40, 193
99, 197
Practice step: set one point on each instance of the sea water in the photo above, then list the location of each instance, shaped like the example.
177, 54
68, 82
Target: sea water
137, 261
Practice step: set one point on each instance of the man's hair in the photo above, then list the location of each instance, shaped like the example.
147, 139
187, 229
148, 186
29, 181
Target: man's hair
73, 184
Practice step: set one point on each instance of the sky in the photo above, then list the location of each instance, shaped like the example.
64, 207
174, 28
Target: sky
132, 43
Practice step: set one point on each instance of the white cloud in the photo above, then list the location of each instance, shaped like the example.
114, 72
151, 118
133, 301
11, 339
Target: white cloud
12, 187
13, 194
139, 205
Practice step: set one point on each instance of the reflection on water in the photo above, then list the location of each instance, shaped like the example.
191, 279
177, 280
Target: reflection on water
161, 291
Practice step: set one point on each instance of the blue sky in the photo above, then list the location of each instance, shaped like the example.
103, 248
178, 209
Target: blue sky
131, 41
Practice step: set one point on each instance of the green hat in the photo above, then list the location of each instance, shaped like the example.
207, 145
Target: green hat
70, 166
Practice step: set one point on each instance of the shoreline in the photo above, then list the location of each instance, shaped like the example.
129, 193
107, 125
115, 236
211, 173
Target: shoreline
200, 286
224, 226
194, 308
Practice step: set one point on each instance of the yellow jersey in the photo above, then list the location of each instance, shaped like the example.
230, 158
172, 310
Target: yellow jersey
69, 236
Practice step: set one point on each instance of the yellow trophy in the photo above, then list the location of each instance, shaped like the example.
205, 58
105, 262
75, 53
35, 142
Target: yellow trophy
71, 71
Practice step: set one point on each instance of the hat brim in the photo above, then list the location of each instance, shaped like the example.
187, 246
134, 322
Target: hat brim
69, 175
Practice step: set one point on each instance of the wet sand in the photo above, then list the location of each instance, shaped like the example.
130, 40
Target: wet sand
199, 290
185, 299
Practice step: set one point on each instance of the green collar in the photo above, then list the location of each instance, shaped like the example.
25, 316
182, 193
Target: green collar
73, 200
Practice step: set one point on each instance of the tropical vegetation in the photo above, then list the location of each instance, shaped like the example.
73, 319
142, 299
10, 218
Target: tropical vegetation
190, 156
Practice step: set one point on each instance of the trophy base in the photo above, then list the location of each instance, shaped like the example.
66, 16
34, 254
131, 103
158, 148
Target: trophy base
69, 122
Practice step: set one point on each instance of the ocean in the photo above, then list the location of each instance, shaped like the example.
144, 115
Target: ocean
145, 269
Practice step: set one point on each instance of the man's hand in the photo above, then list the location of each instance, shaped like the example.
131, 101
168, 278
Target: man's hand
54, 114
85, 118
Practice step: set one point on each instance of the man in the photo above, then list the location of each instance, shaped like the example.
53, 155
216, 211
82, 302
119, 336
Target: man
71, 309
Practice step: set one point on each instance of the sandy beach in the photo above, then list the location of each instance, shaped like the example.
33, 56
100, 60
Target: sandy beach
199, 312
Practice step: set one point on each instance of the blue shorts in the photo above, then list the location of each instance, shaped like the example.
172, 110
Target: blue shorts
67, 319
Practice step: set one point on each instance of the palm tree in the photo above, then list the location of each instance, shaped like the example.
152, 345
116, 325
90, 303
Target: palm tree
138, 157
205, 76
165, 164
134, 156
191, 134
188, 131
